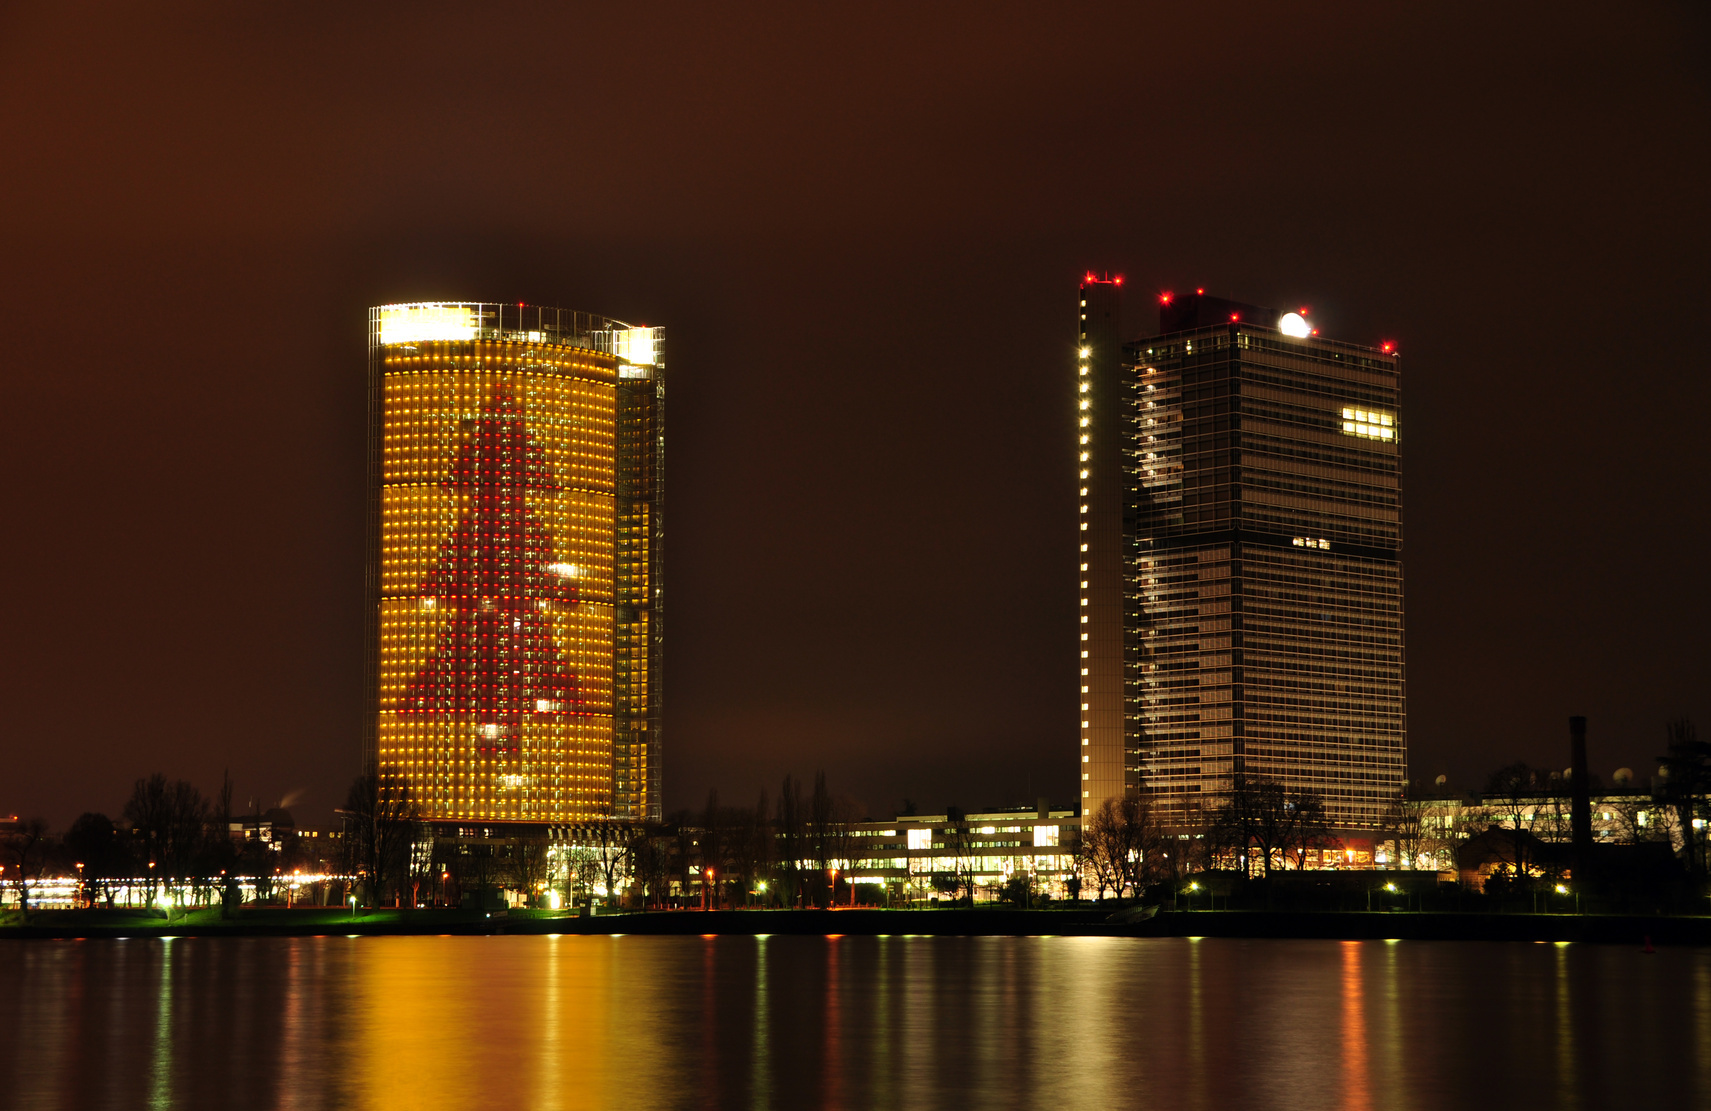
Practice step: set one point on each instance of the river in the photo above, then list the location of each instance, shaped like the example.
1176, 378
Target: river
849, 1022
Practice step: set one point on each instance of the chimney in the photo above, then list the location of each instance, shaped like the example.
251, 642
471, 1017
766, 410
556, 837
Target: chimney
1580, 794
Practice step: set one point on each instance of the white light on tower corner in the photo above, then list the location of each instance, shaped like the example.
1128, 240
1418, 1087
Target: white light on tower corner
1294, 324
637, 345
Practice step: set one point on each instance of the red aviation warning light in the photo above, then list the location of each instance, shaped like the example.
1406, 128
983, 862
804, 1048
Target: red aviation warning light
1387, 347
1164, 298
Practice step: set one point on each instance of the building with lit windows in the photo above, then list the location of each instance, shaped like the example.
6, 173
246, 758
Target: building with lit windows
1240, 532
515, 519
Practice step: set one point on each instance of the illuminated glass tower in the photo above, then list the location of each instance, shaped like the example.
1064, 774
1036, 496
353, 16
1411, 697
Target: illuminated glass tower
514, 642
1258, 556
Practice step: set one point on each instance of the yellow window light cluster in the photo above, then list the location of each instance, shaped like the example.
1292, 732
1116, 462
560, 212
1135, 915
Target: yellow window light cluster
1369, 424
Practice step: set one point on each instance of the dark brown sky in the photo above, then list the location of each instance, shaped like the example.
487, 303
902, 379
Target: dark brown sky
864, 230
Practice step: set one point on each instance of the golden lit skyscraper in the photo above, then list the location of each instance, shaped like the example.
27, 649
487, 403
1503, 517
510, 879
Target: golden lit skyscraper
514, 560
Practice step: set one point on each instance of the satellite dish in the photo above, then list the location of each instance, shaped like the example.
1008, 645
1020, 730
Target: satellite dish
1442, 780
1623, 776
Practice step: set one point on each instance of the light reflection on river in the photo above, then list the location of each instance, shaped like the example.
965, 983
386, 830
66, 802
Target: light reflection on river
784, 1022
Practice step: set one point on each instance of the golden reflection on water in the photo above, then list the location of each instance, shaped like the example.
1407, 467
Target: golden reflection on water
760, 1070
1357, 1093
561, 1023
516, 1020
160, 1063
1568, 1094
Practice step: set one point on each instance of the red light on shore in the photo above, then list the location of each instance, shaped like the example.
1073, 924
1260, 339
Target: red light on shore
1164, 298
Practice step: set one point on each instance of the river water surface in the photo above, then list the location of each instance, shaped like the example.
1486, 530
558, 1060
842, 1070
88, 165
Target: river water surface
849, 1022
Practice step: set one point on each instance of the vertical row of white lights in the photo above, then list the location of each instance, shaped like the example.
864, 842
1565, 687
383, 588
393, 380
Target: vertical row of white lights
1083, 386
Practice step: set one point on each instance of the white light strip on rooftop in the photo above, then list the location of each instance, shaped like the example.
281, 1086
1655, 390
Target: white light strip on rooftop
426, 323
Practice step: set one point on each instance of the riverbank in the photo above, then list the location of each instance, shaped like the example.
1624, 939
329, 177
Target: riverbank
1077, 922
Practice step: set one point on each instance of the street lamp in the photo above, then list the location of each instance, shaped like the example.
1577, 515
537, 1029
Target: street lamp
353, 908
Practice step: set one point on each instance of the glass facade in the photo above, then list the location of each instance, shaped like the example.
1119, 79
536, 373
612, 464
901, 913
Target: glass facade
638, 583
1261, 554
495, 595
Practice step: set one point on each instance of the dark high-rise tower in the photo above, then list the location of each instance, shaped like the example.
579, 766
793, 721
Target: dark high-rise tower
1261, 559
1101, 434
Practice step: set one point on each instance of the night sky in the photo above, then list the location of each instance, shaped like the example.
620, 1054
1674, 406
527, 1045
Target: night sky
864, 230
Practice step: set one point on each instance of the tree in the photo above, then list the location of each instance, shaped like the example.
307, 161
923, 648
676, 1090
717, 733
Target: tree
25, 845
1631, 827
712, 851
1098, 851
1308, 827
792, 838
381, 818
1124, 847
579, 871
650, 864
612, 843
171, 821
1685, 768
959, 848
1020, 889
685, 852
1513, 794
821, 840
1405, 821
1270, 823
1259, 813
530, 861
750, 845
93, 842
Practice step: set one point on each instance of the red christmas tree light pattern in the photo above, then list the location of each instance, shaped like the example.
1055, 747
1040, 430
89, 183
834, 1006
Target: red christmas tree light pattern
497, 665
